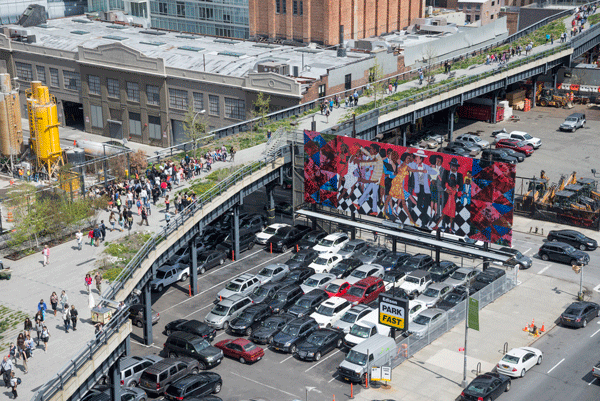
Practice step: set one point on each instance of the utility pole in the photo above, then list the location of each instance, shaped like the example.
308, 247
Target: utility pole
352, 213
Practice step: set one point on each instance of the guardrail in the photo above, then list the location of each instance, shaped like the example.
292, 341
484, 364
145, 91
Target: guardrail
83, 356
187, 213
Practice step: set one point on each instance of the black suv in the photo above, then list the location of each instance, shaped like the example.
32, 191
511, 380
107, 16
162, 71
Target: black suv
293, 333
310, 239
269, 328
575, 238
246, 242
253, 223
562, 252
344, 268
308, 303
186, 344
195, 327
285, 297
392, 260
496, 155
297, 276
440, 271
303, 258
265, 293
250, 319
420, 261
287, 237
194, 386
486, 277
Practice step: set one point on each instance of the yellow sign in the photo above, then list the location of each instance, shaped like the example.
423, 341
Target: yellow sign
391, 320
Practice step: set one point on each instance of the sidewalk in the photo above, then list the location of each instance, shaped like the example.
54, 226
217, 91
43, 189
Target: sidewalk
31, 282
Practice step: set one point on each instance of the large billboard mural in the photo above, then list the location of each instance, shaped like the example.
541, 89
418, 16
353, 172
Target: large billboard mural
411, 186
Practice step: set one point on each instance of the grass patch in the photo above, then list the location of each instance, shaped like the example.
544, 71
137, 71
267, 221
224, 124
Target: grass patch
116, 255
10, 320
594, 19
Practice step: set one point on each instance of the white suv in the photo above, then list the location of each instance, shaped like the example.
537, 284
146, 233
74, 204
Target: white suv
263, 236
332, 243
325, 262
330, 311
243, 285
169, 274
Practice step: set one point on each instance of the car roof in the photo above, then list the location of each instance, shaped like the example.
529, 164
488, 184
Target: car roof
418, 273
242, 278
278, 225
274, 265
335, 235
465, 269
431, 312
334, 301
288, 288
167, 363
232, 300
306, 251
419, 256
367, 281
317, 292
319, 276
517, 352
241, 341
567, 231
367, 266
557, 243
165, 268
256, 308
184, 335
339, 281
356, 241
299, 321
438, 286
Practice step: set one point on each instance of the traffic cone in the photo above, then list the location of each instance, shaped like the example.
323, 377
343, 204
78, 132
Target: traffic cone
532, 323
543, 329
75, 143
526, 328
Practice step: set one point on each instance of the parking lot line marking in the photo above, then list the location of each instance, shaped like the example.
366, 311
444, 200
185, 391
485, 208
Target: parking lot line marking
593, 380
291, 356
333, 378
525, 253
225, 281
596, 332
264, 385
198, 310
322, 360
554, 367
544, 269
144, 345
597, 288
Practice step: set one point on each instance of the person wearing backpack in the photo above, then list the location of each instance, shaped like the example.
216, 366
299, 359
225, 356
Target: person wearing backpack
66, 316
14, 382
74, 315
45, 337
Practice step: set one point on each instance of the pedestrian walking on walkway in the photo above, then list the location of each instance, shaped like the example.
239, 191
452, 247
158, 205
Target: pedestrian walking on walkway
21, 353
129, 219
79, 237
30, 346
121, 222
63, 300
144, 217
167, 204
102, 230
327, 113
66, 316
38, 328
98, 280
45, 337
74, 315
53, 302
12, 352
27, 326
88, 282
551, 39
6, 368
46, 254
91, 237
14, 382
112, 220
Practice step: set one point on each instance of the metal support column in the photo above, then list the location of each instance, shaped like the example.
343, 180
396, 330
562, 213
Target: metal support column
451, 112
128, 165
486, 263
438, 237
128, 345
236, 230
404, 136
555, 79
82, 180
115, 381
270, 204
394, 245
352, 212
313, 208
194, 273
533, 92
495, 108
147, 302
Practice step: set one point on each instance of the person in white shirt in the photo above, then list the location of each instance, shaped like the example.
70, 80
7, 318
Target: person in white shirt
79, 237
6, 368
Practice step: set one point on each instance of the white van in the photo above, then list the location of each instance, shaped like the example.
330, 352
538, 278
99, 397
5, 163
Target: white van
365, 328
376, 351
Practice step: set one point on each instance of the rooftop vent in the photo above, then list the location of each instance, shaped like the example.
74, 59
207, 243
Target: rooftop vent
191, 48
231, 54
114, 37
155, 33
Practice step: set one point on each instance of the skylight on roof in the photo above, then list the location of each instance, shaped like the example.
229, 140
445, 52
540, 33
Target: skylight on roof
155, 33
308, 50
228, 41
45, 26
153, 43
116, 27
80, 32
82, 21
231, 54
266, 45
186, 36
113, 37
191, 48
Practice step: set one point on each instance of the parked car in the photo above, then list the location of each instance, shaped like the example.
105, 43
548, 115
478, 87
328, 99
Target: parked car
309, 240
136, 314
319, 343
561, 252
287, 238
487, 277
365, 271
431, 296
102, 393
378, 350
273, 273
132, 367
250, 319
371, 254
416, 282
316, 281
227, 310
487, 386
525, 262
263, 236
285, 297
224, 222
452, 298
157, 377
243, 285
440, 271
473, 140
284, 208
325, 262
227, 245
520, 136
253, 223
337, 287
214, 238
394, 278
353, 248
497, 155
308, 303
392, 260
332, 243
169, 274
469, 147
303, 258
578, 314
297, 276
293, 333
266, 292
330, 310
270, 327
241, 349
182, 256
351, 316
574, 238
429, 319
574, 121
209, 259
345, 267
195, 327
518, 361
517, 155
462, 276
194, 386
518, 146
190, 345
365, 291
456, 150
420, 261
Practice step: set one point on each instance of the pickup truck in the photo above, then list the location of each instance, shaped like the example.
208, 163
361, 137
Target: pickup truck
596, 370
520, 136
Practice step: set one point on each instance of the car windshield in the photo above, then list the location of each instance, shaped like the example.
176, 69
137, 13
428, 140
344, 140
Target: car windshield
261, 291
233, 287
295, 274
203, 259
581, 237
437, 269
249, 347
290, 330
510, 359
477, 388
572, 311
340, 267
521, 144
326, 242
431, 292
411, 279
311, 282
333, 288
356, 291
282, 296
316, 340
160, 274
304, 302
485, 278
424, 320
371, 252
360, 331
453, 298
248, 316
320, 261
389, 278
569, 249
310, 236
527, 136
201, 345
573, 119
349, 247
271, 323
220, 310
325, 310
389, 259
349, 317
356, 358
359, 274
265, 272
298, 257
458, 276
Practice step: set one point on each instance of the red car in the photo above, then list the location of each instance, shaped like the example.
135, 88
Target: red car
515, 145
241, 349
337, 288
365, 291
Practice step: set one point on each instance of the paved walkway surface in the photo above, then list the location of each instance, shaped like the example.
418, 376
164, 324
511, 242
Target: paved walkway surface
31, 281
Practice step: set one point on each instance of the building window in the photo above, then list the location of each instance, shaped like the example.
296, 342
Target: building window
295, 7
322, 90
278, 6
154, 127
477, 7
477, 17
96, 112
493, 3
135, 124
213, 105
468, 18
24, 71
460, 6
492, 16
41, 73
181, 9
198, 102
72, 80
284, 7
163, 9
153, 94
178, 99
301, 7
235, 108
348, 81
113, 87
54, 78
94, 84
468, 6
133, 91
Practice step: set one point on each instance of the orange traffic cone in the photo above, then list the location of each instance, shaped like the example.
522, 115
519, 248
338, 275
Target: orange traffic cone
532, 323
75, 143
526, 328
543, 329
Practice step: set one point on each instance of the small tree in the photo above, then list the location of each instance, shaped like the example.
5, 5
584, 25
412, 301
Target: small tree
376, 80
429, 58
195, 126
137, 163
261, 108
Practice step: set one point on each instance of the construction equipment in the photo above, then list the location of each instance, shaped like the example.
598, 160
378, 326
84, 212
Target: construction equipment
548, 97
11, 133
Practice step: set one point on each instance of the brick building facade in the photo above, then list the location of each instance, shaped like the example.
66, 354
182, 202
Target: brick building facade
319, 20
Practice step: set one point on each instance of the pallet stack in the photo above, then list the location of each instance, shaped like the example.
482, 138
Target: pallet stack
515, 97
475, 112
527, 105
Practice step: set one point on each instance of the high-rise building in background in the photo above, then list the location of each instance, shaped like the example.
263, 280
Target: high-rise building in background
11, 10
